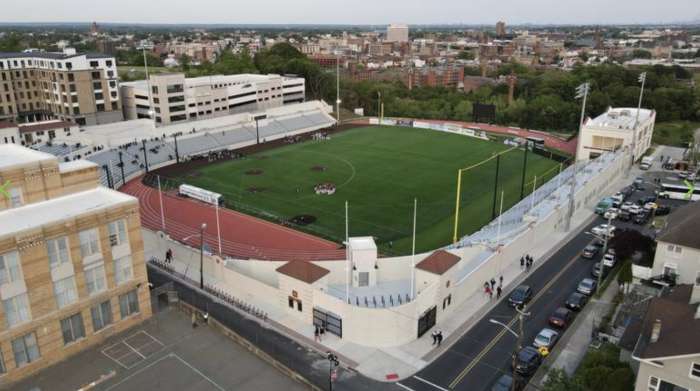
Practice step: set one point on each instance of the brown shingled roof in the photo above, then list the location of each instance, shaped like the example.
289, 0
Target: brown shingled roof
26, 128
305, 271
680, 330
438, 262
683, 226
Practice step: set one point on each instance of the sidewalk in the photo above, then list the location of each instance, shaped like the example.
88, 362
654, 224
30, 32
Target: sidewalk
392, 363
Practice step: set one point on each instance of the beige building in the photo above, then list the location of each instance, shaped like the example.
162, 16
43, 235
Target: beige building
80, 88
72, 269
173, 98
614, 129
397, 33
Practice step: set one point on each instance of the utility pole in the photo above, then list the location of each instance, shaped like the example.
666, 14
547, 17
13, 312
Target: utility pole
177, 154
337, 88
602, 260
522, 180
332, 364
495, 187
642, 79
581, 92
201, 255
121, 168
145, 155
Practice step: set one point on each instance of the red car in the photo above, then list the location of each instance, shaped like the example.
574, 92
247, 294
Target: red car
561, 317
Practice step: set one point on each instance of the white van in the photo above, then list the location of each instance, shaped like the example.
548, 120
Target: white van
646, 163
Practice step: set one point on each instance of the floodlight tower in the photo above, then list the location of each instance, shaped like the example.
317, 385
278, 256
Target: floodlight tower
581, 93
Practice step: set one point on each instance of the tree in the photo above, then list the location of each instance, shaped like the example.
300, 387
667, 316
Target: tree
641, 53
11, 43
625, 275
465, 55
558, 380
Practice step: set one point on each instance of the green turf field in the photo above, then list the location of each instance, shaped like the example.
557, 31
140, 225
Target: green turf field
379, 171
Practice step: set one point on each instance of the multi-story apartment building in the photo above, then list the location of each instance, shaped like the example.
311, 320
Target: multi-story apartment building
80, 88
174, 98
448, 76
614, 129
72, 268
397, 33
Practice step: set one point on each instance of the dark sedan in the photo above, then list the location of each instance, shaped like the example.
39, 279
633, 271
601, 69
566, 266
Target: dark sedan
576, 301
527, 361
590, 251
520, 296
561, 318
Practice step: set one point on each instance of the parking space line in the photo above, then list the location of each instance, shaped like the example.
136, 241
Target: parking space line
137, 372
200, 373
430, 383
135, 351
404, 387
153, 338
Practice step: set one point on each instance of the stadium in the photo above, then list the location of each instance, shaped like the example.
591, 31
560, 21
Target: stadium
275, 169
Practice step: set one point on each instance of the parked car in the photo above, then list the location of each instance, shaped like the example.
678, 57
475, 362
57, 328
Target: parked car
589, 252
561, 318
586, 286
611, 213
546, 338
576, 301
650, 206
628, 191
609, 260
625, 207
641, 218
603, 230
527, 361
505, 383
624, 216
663, 194
520, 296
634, 209
595, 271
645, 200
639, 183
662, 210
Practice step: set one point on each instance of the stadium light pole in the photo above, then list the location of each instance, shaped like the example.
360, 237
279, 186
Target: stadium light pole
495, 186
581, 93
337, 88
459, 189
121, 167
379, 106
642, 79
201, 255
522, 180
413, 248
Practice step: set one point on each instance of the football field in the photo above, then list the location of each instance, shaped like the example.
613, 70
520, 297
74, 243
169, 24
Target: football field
378, 171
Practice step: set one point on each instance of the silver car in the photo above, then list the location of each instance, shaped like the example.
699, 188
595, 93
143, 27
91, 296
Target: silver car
586, 286
546, 338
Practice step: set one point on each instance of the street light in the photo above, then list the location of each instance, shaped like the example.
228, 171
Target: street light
519, 336
332, 364
642, 79
581, 93
201, 253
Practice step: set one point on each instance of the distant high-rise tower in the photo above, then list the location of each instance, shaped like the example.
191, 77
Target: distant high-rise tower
397, 33
94, 29
501, 28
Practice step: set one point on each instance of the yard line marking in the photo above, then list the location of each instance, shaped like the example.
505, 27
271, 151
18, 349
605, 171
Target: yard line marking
404, 387
135, 351
200, 373
493, 342
430, 383
138, 372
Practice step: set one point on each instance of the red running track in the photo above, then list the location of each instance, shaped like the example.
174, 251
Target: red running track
242, 236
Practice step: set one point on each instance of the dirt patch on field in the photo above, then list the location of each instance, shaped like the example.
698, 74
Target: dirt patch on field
318, 168
254, 189
255, 171
303, 219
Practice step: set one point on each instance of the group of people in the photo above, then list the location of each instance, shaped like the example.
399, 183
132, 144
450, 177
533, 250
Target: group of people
437, 337
526, 262
325, 188
490, 287
320, 136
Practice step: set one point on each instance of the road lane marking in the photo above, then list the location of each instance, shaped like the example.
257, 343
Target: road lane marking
405, 387
497, 338
430, 383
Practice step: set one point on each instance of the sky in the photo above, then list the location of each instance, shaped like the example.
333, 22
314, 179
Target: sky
353, 11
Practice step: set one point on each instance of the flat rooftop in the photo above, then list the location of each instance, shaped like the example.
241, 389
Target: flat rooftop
209, 80
619, 118
12, 155
59, 209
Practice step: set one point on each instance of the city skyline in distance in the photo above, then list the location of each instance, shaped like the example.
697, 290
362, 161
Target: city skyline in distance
360, 12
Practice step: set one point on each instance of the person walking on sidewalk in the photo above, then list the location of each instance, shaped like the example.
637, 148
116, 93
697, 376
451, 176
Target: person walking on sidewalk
499, 290
439, 337
317, 335
493, 283
168, 256
522, 262
434, 335
489, 292
500, 280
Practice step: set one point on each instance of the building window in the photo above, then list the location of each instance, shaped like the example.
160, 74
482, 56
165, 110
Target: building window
89, 242
122, 270
96, 75
3, 368
117, 232
58, 251
697, 279
94, 64
695, 370
16, 197
9, 268
65, 291
17, 310
72, 328
653, 383
95, 277
101, 315
25, 349
128, 304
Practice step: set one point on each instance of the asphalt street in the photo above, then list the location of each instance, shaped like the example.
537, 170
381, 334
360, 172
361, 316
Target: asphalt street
484, 353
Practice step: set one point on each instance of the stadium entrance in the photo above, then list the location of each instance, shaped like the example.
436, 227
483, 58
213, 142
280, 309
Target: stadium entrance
330, 322
427, 320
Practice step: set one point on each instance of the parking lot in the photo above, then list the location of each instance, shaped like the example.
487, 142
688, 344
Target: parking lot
164, 353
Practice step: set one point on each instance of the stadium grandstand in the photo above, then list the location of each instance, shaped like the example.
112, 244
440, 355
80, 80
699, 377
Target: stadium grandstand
110, 144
